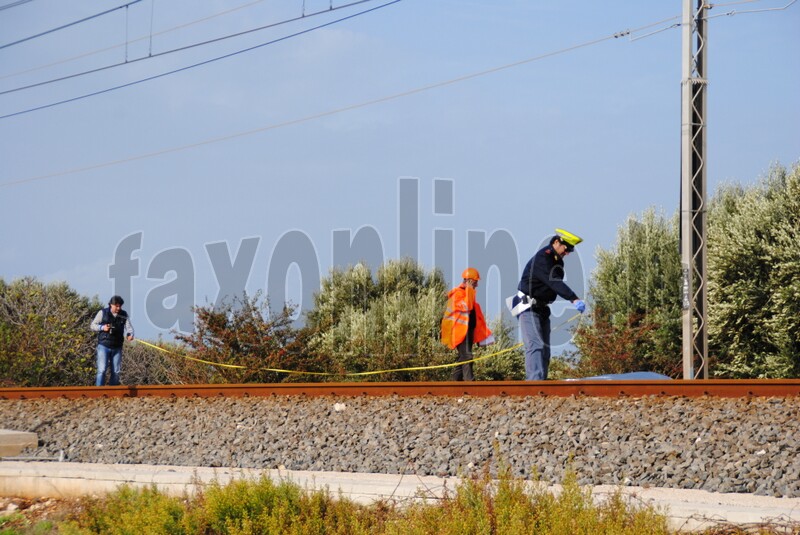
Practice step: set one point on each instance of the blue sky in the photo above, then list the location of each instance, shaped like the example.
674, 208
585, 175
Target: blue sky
262, 143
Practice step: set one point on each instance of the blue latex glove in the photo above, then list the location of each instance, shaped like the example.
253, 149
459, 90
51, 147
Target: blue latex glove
580, 305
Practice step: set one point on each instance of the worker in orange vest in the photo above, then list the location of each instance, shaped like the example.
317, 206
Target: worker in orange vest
463, 324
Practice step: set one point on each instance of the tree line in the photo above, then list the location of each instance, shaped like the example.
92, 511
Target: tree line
389, 320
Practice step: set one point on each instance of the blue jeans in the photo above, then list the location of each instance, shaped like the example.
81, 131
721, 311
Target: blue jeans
108, 357
535, 329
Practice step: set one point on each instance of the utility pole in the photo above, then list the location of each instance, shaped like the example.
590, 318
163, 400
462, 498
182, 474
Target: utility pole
693, 190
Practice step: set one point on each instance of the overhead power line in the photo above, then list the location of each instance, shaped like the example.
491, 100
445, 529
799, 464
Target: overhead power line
711, 6
199, 64
735, 12
14, 4
178, 49
127, 43
328, 113
275, 126
90, 17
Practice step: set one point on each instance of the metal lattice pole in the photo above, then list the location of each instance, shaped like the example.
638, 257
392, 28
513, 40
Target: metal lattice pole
693, 191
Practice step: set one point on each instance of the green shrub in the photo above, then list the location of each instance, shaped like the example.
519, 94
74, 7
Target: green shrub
754, 278
635, 291
44, 334
360, 324
262, 506
477, 505
248, 507
131, 511
508, 366
512, 505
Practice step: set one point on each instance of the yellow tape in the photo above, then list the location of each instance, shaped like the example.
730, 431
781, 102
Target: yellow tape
438, 366
190, 358
354, 374
576, 316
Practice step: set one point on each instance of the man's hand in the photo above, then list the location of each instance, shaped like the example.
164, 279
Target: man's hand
580, 305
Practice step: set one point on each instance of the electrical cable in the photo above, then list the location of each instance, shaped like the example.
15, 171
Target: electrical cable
14, 4
90, 17
734, 12
199, 64
737, 2
126, 61
326, 113
711, 6
120, 45
318, 115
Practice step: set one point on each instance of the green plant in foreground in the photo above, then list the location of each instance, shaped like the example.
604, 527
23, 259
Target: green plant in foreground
477, 506
511, 505
130, 511
4, 521
17, 524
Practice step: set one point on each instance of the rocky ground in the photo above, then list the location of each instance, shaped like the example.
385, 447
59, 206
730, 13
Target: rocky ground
22, 515
721, 445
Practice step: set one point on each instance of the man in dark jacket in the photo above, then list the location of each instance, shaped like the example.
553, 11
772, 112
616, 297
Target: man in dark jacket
112, 326
542, 281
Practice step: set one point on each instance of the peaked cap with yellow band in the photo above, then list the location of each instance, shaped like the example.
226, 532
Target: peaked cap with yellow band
568, 237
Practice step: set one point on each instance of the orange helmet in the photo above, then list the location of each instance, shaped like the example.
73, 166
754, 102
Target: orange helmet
471, 273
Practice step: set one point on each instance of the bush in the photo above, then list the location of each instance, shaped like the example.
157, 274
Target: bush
130, 511
754, 278
512, 505
44, 334
143, 365
478, 505
636, 309
510, 365
359, 324
244, 334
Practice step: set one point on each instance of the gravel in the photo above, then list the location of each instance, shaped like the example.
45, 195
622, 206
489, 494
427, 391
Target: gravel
716, 444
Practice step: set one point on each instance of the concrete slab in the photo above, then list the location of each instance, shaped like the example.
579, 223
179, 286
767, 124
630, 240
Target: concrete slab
693, 510
13, 442
686, 509
64, 480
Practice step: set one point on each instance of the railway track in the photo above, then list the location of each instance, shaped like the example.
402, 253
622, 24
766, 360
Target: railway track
592, 388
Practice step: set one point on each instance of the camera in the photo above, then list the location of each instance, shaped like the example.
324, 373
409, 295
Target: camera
116, 323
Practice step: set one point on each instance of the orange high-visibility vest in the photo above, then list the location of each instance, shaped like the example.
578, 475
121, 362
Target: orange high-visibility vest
460, 301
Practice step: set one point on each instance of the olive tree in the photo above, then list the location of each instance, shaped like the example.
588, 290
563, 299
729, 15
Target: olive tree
753, 288
362, 323
635, 292
754, 278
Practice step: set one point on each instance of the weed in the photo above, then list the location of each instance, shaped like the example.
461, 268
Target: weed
478, 505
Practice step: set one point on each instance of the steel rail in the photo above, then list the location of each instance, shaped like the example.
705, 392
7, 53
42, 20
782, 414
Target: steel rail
592, 388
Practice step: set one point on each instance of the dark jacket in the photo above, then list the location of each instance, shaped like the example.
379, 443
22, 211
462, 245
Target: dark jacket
543, 278
116, 335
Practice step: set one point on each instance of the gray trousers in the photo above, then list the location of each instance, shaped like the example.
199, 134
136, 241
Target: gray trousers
535, 328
